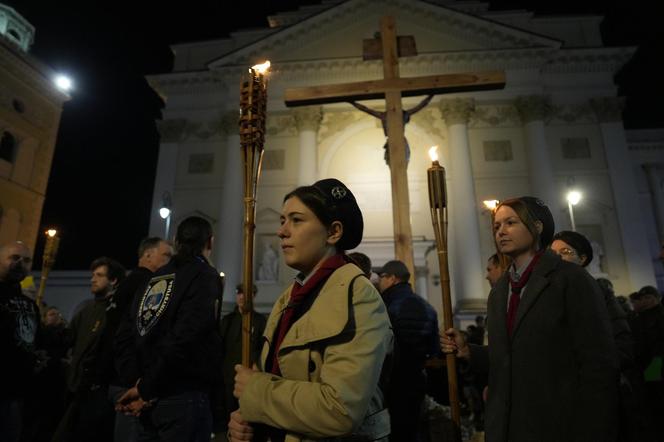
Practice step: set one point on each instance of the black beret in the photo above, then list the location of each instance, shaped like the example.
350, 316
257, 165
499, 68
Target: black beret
396, 268
578, 242
342, 206
540, 212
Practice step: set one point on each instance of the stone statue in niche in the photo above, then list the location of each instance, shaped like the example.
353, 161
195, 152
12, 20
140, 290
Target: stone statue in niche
268, 270
595, 266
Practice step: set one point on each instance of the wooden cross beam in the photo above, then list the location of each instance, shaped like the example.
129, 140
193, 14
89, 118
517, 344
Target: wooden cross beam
393, 88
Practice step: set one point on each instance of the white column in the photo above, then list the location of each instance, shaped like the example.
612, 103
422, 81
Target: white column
421, 274
468, 266
171, 133
228, 238
655, 176
533, 110
307, 121
625, 192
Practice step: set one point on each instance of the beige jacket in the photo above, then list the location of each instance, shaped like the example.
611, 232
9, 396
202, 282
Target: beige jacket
330, 360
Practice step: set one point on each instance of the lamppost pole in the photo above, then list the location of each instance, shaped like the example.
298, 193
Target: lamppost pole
165, 212
573, 198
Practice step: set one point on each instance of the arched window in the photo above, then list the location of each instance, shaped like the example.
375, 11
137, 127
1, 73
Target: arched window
8, 147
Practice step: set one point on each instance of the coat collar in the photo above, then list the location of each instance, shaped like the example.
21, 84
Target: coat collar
536, 284
323, 318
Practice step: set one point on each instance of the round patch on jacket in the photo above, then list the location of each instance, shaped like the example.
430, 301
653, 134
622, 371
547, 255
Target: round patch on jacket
154, 302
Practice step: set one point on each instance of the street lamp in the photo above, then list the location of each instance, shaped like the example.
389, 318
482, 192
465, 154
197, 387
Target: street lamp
63, 83
573, 198
165, 211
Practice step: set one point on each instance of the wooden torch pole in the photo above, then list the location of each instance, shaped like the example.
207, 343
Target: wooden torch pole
438, 205
50, 252
253, 101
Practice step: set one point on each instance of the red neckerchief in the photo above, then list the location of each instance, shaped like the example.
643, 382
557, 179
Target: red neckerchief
297, 295
516, 287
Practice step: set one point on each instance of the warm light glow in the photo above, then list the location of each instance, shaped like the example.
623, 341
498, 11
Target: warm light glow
491, 204
573, 197
164, 212
433, 153
262, 68
222, 274
51, 232
63, 83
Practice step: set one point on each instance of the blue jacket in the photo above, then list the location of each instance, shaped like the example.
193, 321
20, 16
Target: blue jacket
415, 326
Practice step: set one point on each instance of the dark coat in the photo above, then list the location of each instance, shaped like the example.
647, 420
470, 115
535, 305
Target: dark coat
556, 378
19, 334
178, 347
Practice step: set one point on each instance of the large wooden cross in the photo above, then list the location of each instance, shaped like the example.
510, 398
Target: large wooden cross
392, 88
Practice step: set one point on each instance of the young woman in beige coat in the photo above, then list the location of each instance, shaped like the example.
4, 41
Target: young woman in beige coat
326, 338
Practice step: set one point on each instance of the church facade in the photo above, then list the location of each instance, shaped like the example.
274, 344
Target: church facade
555, 127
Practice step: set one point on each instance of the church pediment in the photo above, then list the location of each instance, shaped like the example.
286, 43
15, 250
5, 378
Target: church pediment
338, 32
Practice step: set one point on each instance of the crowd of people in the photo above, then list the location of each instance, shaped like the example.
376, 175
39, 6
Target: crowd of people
349, 352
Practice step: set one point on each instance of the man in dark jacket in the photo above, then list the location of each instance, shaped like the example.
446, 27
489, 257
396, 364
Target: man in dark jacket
19, 324
120, 364
231, 335
89, 414
415, 326
648, 328
178, 347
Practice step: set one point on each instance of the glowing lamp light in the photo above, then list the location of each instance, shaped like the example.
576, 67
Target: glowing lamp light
491, 204
51, 232
164, 212
63, 83
573, 197
433, 153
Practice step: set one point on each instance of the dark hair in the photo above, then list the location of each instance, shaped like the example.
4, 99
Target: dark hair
114, 270
191, 238
240, 288
315, 201
362, 261
648, 290
525, 216
330, 200
147, 244
494, 260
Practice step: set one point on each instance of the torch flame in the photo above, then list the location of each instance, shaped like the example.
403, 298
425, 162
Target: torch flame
262, 68
433, 153
51, 232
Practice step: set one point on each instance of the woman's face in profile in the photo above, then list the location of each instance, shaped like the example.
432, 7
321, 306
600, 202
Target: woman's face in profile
303, 236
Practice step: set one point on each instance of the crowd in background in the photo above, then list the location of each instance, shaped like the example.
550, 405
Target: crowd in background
153, 339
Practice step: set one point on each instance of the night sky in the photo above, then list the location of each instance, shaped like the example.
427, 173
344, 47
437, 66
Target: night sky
100, 190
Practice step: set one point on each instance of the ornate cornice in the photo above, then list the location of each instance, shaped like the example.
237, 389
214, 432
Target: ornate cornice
608, 109
180, 129
281, 124
456, 110
482, 32
573, 113
501, 115
193, 81
307, 118
589, 60
533, 107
